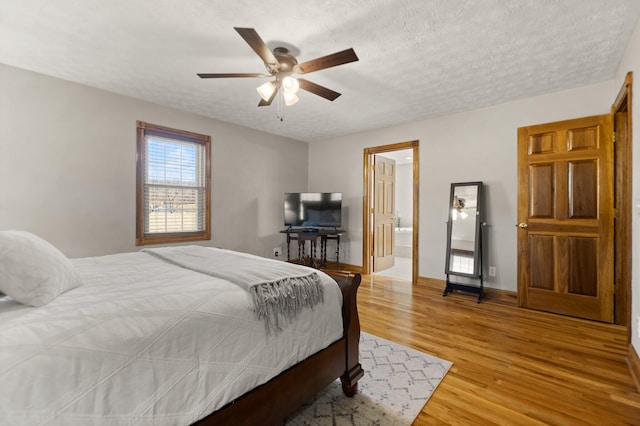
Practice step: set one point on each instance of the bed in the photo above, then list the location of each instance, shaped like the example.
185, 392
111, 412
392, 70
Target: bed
146, 338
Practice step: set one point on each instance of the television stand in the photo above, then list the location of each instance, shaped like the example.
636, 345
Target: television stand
302, 235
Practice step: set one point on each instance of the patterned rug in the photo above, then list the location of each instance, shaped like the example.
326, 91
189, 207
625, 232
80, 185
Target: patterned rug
397, 383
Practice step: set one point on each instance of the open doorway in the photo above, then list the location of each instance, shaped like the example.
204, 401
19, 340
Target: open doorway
390, 240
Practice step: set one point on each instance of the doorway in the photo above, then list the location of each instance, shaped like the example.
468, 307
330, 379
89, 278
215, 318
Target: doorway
396, 242
620, 194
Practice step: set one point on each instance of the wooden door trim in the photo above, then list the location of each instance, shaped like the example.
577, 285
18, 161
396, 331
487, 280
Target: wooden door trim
366, 221
623, 182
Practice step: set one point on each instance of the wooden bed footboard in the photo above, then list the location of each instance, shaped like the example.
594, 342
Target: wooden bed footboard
273, 401
349, 284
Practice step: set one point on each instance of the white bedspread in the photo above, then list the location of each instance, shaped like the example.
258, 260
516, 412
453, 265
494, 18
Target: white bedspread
145, 342
279, 290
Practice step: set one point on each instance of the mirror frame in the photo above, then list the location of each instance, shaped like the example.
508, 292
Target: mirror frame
477, 249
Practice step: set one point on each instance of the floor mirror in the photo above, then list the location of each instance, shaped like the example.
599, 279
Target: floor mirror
465, 224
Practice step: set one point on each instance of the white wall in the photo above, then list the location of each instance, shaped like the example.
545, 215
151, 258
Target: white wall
474, 145
631, 62
67, 168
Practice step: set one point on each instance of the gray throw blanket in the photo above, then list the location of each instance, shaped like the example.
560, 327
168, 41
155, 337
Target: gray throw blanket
279, 290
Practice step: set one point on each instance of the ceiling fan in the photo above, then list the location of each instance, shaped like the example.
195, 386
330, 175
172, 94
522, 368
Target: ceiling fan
281, 64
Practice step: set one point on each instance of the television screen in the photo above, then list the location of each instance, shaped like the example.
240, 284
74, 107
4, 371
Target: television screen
313, 209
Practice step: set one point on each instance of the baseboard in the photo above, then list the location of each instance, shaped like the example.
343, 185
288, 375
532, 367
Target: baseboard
506, 297
633, 361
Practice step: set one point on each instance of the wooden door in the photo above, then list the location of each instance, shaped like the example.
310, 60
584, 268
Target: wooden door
565, 217
383, 213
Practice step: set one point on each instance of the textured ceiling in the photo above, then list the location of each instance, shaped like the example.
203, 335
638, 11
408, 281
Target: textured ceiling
418, 59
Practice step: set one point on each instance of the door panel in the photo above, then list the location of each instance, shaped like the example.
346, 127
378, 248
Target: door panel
542, 201
585, 138
583, 272
542, 143
541, 249
384, 209
565, 212
583, 189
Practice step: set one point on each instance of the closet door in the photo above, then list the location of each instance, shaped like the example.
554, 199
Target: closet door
565, 217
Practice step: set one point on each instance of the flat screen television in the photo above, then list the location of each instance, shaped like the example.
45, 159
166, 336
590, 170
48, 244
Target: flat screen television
313, 209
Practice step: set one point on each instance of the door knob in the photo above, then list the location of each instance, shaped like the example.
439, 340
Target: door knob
522, 225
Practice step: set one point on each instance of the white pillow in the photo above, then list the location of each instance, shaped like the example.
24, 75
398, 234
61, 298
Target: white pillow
32, 271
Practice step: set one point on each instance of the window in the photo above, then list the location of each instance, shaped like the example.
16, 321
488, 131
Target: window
173, 196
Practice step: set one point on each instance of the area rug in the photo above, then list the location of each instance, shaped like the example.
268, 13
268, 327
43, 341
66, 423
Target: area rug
397, 383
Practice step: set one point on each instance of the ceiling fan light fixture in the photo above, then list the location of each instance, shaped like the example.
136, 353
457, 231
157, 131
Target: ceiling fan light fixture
290, 85
290, 99
281, 64
266, 90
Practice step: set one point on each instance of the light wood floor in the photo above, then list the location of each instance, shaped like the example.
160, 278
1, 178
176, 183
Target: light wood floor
512, 366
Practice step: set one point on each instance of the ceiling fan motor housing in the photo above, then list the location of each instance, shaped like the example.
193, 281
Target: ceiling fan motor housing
286, 63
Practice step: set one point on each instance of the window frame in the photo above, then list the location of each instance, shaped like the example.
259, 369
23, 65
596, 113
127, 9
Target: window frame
144, 129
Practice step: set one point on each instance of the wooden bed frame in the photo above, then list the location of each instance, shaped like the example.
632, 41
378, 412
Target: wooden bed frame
273, 401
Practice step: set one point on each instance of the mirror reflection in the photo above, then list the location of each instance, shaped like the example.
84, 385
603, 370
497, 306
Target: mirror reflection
463, 229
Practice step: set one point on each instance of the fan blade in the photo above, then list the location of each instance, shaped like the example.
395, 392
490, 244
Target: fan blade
328, 61
273, 96
316, 89
260, 47
232, 75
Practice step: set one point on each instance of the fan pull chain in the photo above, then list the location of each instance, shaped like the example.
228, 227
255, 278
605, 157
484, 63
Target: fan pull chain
280, 105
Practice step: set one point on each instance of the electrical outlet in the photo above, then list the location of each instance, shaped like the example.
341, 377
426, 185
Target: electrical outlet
492, 271
276, 251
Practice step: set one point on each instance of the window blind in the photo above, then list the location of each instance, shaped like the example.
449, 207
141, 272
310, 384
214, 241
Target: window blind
174, 186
